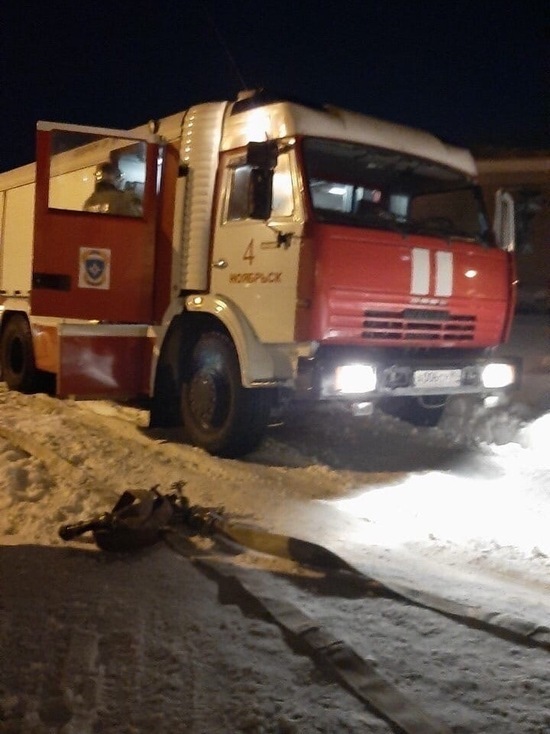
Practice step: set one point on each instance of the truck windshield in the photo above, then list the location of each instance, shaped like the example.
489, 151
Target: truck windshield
362, 186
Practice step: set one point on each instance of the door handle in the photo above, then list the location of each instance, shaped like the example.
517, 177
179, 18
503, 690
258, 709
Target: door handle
284, 239
220, 264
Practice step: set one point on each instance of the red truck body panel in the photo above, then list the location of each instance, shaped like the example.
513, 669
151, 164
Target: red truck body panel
364, 283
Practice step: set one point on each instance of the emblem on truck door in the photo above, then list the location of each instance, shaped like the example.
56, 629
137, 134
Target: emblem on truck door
95, 268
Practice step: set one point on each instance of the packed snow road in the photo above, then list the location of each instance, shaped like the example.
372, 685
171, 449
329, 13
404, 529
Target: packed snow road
131, 644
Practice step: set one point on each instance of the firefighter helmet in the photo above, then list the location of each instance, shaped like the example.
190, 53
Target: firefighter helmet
108, 173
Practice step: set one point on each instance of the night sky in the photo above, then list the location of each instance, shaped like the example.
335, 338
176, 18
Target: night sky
471, 72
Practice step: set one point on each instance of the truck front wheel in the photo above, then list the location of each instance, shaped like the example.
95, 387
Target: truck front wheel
17, 356
219, 414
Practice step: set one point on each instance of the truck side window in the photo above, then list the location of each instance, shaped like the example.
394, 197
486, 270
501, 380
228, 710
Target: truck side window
101, 175
283, 193
238, 205
239, 187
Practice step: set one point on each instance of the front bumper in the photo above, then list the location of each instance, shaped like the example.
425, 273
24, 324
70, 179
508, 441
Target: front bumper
323, 376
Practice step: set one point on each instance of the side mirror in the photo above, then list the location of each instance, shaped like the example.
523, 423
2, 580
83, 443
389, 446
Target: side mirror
504, 224
260, 193
262, 155
262, 158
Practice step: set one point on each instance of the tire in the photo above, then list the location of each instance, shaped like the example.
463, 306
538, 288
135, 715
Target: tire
218, 413
422, 411
17, 356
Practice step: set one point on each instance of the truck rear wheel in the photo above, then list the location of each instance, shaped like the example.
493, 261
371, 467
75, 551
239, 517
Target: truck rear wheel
17, 356
219, 414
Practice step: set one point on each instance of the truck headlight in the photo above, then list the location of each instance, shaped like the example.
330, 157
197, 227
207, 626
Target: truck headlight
498, 374
355, 378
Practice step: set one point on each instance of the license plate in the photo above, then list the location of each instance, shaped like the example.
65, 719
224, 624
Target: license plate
436, 378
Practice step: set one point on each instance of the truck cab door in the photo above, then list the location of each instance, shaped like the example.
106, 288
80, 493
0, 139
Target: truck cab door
97, 263
255, 261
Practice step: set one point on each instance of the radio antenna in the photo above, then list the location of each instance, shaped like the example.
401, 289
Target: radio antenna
223, 44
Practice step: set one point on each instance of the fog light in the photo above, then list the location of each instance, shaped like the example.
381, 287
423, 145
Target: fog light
355, 378
498, 374
360, 409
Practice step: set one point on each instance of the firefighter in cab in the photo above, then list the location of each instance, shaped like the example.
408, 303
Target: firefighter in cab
109, 197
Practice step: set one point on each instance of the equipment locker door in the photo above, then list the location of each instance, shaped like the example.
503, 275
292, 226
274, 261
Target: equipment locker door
97, 264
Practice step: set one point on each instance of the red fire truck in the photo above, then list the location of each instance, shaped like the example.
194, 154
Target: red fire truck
281, 252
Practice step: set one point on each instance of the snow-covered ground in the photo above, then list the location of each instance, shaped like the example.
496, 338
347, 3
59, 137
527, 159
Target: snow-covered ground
92, 643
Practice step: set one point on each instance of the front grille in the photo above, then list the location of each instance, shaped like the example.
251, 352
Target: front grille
418, 325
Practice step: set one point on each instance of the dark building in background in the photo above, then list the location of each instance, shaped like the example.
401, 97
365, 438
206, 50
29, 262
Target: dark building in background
526, 175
